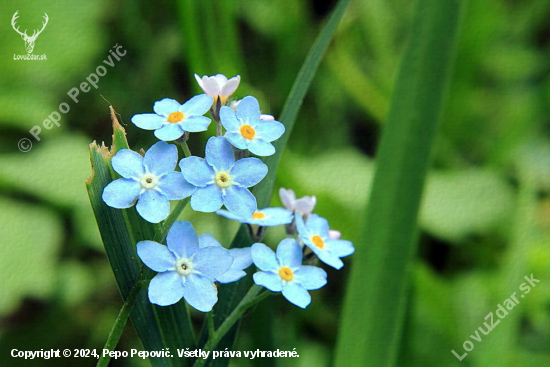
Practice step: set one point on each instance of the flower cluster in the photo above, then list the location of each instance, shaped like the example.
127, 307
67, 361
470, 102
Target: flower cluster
190, 266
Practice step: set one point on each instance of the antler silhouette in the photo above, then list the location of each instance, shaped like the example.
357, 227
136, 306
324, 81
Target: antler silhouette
15, 16
36, 33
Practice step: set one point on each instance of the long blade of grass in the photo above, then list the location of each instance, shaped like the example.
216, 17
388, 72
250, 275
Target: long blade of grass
375, 302
230, 295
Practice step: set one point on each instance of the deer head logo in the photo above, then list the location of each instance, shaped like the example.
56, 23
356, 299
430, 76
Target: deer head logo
29, 41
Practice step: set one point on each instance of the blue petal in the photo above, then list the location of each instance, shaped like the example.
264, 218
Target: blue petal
153, 206
219, 153
239, 201
264, 258
198, 105
261, 147
195, 124
161, 158
303, 231
248, 171
317, 225
326, 256
148, 121
230, 276
121, 193
311, 277
340, 248
212, 261
242, 257
166, 106
273, 217
128, 164
289, 253
228, 119
270, 130
237, 140
296, 294
248, 110
200, 292
169, 132
156, 256
175, 187
165, 289
197, 171
208, 240
269, 280
207, 199
182, 240
227, 214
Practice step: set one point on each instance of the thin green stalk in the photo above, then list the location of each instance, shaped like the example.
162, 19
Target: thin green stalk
168, 222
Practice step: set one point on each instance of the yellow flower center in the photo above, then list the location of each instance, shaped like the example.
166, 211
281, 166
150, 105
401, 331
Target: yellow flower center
318, 241
223, 179
258, 215
248, 132
175, 117
285, 273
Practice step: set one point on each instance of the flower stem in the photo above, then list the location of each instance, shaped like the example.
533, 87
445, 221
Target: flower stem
167, 224
252, 297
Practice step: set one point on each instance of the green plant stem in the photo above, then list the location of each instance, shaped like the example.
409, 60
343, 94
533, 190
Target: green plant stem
252, 297
186, 150
168, 222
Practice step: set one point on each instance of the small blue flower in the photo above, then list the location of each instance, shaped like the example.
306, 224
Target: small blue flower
184, 269
171, 119
245, 129
149, 180
267, 217
222, 181
242, 259
284, 271
315, 235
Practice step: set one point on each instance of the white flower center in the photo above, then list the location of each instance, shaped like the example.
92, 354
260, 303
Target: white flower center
184, 267
223, 179
149, 181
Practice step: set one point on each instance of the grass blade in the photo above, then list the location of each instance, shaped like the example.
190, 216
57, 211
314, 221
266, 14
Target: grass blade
375, 302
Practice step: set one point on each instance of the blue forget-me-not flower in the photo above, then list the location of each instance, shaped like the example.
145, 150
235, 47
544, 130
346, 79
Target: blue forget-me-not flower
149, 180
267, 217
245, 129
222, 181
171, 119
284, 272
184, 269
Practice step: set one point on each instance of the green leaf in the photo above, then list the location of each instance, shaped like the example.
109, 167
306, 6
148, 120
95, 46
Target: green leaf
158, 327
373, 314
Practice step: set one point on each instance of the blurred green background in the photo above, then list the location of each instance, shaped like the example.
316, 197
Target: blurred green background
485, 218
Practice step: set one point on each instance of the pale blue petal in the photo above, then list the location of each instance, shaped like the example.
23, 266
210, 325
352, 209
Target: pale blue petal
248, 110
161, 158
198, 105
270, 130
340, 248
156, 256
207, 199
208, 240
296, 294
165, 289
128, 164
228, 119
195, 124
289, 253
182, 240
269, 280
326, 256
153, 206
169, 132
317, 225
311, 277
261, 147
242, 257
227, 214
237, 140
166, 106
148, 121
219, 153
175, 187
200, 292
248, 171
239, 201
197, 171
303, 231
212, 261
230, 276
273, 217
121, 193
264, 258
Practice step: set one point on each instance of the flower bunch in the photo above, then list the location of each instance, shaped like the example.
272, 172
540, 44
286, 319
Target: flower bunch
190, 266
